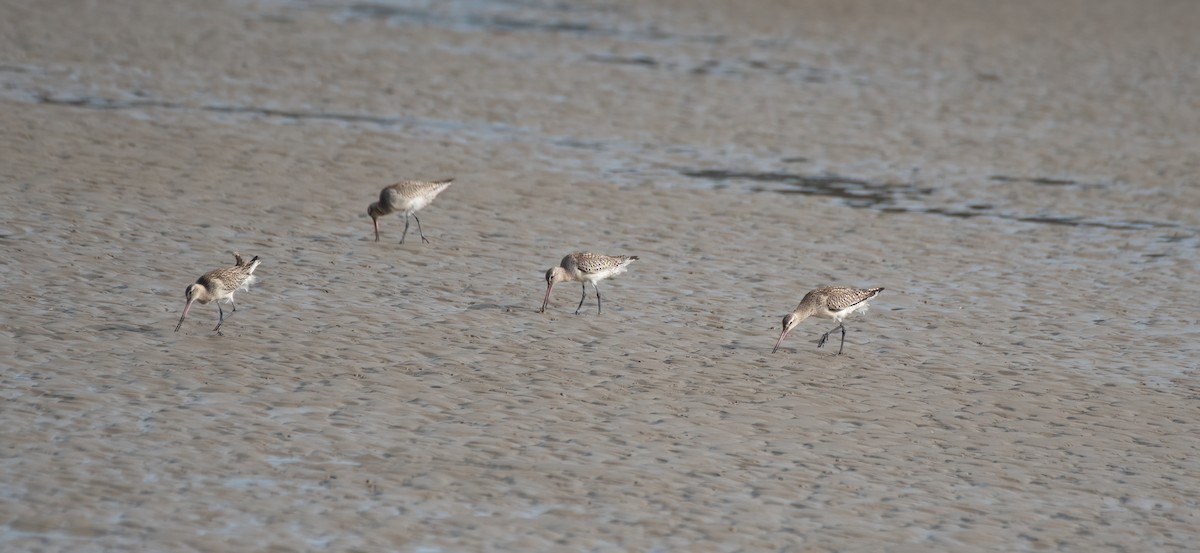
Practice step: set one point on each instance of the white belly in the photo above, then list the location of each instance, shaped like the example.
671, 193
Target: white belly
839, 316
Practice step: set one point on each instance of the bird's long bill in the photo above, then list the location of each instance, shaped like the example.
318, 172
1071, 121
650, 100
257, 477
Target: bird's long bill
181, 317
782, 335
546, 301
376, 221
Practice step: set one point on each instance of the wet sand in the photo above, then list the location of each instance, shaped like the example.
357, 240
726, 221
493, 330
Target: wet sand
1025, 382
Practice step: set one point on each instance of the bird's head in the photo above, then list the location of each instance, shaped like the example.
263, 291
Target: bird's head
193, 292
789, 322
555, 275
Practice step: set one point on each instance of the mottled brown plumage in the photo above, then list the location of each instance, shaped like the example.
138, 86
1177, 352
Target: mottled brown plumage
584, 267
834, 302
220, 284
407, 197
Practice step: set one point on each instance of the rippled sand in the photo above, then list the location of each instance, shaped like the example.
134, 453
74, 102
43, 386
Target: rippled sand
1026, 381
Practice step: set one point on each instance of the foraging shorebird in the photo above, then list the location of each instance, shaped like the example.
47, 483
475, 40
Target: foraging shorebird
220, 284
407, 197
835, 303
584, 268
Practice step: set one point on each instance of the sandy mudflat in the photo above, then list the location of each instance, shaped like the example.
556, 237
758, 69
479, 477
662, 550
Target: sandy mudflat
1026, 382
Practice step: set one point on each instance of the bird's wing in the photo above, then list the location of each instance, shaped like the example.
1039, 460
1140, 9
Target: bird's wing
590, 263
841, 298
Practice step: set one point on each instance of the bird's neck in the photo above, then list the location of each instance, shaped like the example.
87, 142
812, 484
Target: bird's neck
808, 308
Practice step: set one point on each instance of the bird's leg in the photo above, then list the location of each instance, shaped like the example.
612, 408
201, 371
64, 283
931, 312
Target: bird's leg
597, 287
843, 339
581, 298
405, 228
423, 239
825, 336
221, 320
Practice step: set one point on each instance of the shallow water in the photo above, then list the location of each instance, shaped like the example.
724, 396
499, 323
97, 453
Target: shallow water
1024, 382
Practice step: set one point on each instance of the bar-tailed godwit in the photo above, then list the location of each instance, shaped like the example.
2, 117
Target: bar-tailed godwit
584, 268
220, 284
835, 303
406, 197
